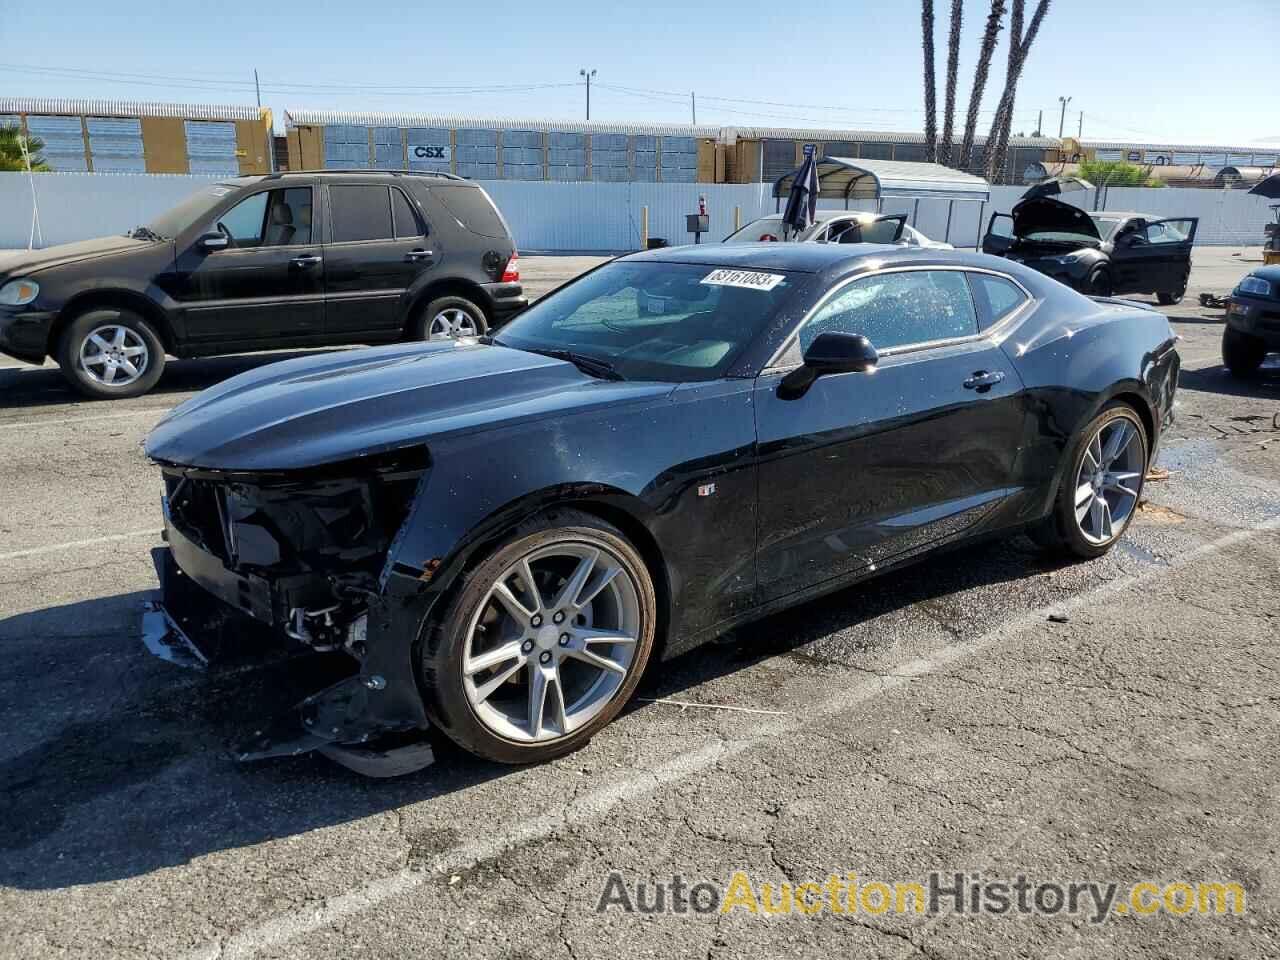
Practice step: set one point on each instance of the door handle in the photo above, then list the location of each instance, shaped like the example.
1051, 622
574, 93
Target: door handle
306, 260
984, 380
420, 255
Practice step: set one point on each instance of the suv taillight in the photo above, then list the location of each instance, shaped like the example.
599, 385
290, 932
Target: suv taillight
512, 272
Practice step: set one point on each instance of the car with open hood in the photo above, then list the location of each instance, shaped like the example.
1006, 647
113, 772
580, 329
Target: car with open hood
1102, 253
288, 260
493, 538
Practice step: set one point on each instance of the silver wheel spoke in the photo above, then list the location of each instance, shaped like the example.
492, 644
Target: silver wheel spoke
491, 658
518, 611
568, 595
537, 699
98, 342
485, 691
1084, 493
1109, 480
109, 375
133, 351
530, 584
1106, 518
588, 635
128, 368
596, 660
1118, 440
593, 589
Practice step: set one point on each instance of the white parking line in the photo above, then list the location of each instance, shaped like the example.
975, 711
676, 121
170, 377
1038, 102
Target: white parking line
290, 925
92, 541
27, 424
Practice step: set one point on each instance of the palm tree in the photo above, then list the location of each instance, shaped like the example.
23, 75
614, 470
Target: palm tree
989, 38
953, 65
930, 86
12, 155
1019, 49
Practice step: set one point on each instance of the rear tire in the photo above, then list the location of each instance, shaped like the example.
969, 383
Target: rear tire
498, 646
1064, 531
1100, 284
1242, 353
1172, 297
448, 318
110, 354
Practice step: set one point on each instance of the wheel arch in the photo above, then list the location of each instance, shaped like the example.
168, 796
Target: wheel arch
119, 299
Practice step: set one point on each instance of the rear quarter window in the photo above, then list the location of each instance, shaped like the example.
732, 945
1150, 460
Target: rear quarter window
472, 208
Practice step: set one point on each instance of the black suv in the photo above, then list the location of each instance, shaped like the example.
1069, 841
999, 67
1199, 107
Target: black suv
261, 263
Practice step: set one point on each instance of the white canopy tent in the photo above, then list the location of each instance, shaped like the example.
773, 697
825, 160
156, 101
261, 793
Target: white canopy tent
842, 178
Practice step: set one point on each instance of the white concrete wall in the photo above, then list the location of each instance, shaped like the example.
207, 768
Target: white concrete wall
561, 217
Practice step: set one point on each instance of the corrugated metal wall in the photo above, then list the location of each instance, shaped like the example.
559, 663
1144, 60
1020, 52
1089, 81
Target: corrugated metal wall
211, 147
115, 144
63, 141
586, 216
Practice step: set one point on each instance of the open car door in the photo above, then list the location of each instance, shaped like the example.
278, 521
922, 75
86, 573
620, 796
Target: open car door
1156, 258
887, 229
999, 237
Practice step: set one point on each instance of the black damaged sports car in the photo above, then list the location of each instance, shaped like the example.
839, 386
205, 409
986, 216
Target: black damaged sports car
498, 535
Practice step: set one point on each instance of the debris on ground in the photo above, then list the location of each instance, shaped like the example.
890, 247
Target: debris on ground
1155, 474
1214, 302
1059, 618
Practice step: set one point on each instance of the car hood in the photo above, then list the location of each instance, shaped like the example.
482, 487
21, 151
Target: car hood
1046, 215
29, 261
331, 407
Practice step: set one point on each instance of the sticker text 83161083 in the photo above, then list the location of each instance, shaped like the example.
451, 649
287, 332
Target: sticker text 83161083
751, 279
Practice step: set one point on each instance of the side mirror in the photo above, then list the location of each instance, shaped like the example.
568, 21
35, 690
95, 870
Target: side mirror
214, 241
831, 352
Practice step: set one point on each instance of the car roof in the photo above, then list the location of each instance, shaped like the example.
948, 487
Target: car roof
1123, 214
357, 171
825, 215
803, 257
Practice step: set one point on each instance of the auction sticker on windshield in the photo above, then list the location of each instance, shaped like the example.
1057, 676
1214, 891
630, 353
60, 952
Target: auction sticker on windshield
750, 279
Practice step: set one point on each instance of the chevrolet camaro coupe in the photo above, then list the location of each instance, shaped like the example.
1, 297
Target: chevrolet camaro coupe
496, 536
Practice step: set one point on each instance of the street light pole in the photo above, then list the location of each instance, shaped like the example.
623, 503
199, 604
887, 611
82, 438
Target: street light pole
1062, 121
584, 73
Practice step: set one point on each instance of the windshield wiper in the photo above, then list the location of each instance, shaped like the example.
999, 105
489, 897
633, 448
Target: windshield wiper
144, 233
593, 366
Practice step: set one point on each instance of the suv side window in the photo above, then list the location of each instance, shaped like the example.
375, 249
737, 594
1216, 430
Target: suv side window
407, 222
899, 309
360, 212
471, 207
272, 218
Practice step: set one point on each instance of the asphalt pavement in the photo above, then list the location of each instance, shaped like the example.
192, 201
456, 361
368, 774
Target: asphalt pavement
988, 712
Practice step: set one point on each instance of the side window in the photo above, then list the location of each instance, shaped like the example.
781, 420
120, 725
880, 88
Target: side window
360, 212
998, 296
1169, 231
407, 222
289, 218
244, 221
273, 218
899, 309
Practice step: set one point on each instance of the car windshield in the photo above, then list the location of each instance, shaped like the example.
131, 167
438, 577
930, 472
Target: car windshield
655, 320
1106, 225
766, 227
176, 219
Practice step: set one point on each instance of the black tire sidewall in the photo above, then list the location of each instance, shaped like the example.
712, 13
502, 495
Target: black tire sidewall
1242, 353
441, 657
1064, 514
422, 323
69, 344
1101, 277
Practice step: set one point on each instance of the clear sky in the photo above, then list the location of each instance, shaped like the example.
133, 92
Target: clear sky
1169, 72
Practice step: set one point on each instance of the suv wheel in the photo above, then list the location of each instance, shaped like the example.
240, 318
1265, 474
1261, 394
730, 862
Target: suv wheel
1100, 284
1242, 353
1174, 296
448, 318
109, 354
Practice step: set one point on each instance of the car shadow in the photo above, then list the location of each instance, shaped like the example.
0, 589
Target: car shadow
40, 386
1216, 379
128, 772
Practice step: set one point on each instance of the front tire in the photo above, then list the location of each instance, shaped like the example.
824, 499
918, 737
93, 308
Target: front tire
448, 318
1172, 297
1100, 284
1242, 353
543, 642
1100, 488
109, 354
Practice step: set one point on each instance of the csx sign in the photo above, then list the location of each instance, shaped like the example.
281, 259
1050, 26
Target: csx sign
424, 152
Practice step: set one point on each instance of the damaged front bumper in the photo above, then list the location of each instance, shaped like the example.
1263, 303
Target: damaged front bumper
259, 569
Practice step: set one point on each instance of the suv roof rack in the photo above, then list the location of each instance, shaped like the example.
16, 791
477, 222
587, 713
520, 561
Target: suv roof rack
345, 170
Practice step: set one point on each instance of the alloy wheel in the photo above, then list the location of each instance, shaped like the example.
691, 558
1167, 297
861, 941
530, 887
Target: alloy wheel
451, 323
114, 355
1109, 480
552, 642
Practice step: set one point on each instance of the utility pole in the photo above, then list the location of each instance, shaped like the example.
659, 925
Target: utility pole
1080, 130
1062, 121
257, 89
1039, 123
583, 73
693, 105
